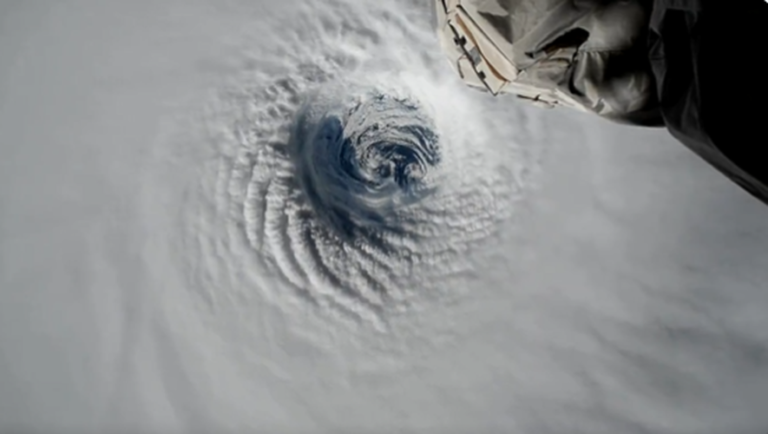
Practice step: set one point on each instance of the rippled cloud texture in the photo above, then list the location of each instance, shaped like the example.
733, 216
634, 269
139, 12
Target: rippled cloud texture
293, 217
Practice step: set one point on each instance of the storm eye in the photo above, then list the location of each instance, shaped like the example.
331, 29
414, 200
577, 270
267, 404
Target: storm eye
356, 162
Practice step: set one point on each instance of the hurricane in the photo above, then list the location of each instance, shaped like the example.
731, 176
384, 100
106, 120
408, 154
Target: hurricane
293, 216
358, 179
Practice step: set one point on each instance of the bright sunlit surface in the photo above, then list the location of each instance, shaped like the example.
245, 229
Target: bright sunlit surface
291, 216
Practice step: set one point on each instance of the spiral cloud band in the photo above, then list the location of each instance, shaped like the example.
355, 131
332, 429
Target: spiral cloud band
353, 191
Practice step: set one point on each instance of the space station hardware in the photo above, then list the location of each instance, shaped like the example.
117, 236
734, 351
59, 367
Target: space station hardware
588, 55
